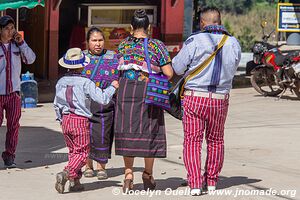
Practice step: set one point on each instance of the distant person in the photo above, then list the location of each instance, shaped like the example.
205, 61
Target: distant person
72, 105
139, 127
77, 37
13, 50
102, 70
206, 98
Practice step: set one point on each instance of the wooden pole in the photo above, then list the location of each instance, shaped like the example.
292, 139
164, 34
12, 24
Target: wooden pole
17, 19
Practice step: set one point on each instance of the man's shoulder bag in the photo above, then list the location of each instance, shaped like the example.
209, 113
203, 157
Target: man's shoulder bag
176, 94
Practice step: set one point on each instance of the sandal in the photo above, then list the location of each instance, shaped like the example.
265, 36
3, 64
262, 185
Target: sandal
102, 174
88, 173
128, 184
148, 181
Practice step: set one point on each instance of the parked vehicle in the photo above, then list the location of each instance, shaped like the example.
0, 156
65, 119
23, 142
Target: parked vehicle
273, 72
258, 48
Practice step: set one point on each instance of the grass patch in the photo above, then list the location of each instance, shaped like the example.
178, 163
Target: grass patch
247, 27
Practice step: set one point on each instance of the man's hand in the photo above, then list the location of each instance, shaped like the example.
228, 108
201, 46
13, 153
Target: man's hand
17, 37
115, 84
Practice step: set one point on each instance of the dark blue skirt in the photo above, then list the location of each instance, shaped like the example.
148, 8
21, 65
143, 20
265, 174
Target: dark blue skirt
139, 128
101, 131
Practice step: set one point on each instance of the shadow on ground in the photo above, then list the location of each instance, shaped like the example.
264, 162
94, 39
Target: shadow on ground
224, 182
163, 184
176, 182
36, 146
227, 182
113, 172
284, 97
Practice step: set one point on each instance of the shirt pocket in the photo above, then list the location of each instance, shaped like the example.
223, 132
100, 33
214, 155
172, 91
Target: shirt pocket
16, 53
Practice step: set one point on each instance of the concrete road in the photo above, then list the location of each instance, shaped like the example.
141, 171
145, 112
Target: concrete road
262, 156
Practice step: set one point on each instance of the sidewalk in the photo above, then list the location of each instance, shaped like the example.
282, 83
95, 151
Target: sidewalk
262, 154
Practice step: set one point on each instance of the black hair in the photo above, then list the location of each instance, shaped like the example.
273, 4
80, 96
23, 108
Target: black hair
92, 30
5, 20
140, 20
214, 10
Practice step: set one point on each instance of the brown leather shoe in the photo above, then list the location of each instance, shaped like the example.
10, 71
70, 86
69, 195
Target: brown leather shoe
128, 184
148, 181
61, 179
75, 186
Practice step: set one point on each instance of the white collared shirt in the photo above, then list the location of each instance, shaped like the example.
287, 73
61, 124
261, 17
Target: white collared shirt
18, 52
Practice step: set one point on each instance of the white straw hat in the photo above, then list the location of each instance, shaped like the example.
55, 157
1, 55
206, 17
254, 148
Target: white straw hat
74, 59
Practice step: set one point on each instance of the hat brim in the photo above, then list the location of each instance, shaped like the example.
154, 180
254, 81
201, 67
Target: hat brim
63, 64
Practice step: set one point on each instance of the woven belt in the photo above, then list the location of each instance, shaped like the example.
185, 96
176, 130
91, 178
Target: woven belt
206, 94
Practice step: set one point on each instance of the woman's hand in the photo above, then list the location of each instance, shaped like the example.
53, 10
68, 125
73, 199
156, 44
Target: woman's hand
17, 37
168, 71
115, 84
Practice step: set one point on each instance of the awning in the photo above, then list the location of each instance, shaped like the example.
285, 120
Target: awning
15, 4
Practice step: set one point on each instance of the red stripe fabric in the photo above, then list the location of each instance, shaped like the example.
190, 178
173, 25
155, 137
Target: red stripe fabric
7, 52
11, 104
203, 115
76, 133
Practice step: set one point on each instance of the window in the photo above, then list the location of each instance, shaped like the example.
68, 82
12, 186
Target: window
115, 16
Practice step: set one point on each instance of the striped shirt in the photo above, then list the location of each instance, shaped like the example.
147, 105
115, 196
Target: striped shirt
74, 95
218, 75
10, 59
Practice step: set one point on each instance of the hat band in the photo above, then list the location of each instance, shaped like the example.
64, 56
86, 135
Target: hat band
75, 62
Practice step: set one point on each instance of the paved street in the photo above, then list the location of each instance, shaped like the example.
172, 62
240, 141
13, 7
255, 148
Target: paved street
262, 154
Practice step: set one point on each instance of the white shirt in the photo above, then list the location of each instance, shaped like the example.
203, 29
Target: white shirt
17, 53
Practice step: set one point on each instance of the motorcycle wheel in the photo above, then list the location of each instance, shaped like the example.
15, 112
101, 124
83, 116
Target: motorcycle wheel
263, 81
297, 89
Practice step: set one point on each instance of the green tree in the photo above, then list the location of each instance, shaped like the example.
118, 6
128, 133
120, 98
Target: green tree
246, 39
233, 6
228, 27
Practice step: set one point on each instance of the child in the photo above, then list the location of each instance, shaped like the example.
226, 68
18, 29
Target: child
72, 105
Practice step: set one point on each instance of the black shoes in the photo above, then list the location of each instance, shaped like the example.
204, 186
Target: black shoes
9, 163
75, 186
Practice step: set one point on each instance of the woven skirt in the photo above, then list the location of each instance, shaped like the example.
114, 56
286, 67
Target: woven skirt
101, 131
139, 128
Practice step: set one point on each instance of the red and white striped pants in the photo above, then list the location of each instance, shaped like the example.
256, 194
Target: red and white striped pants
77, 137
12, 105
203, 115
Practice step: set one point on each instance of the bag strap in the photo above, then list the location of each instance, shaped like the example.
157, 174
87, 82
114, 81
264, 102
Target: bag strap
95, 69
147, 58
204, 64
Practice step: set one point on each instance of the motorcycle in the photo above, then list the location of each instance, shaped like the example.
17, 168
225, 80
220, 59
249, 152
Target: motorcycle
273, 72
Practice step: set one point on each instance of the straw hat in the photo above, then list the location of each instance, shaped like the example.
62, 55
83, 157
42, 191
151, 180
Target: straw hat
74, 59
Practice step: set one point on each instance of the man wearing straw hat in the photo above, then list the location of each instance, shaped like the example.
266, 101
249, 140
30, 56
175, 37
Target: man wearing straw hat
72, 105
13, 49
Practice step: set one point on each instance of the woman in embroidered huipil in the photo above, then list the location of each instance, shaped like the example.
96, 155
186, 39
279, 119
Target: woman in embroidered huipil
139, 128
102, 70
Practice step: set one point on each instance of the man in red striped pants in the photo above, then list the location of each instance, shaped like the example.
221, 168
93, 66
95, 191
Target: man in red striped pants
206, 97
13, 49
